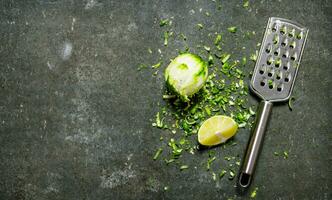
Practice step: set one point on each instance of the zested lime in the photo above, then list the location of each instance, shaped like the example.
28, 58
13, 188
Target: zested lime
186, 75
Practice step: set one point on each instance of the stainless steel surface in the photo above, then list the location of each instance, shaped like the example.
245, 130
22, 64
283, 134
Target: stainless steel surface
273, 80
249, 162
278, 60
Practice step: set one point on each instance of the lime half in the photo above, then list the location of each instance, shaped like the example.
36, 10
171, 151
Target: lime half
216, 130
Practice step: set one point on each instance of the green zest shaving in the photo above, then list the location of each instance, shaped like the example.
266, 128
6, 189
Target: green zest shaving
232, 29
156, 156
270, 83
285, 154
157, 65
176, 150
246, 4
225, 58
231, 175
159, 122
290, 103
214, 176
210, 160
207, 48
218, 39
254, 193
253, 57
164, 22
166, 35
183, 167
222, 173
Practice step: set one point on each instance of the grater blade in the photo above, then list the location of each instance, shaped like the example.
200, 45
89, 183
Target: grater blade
278, 60
273, 80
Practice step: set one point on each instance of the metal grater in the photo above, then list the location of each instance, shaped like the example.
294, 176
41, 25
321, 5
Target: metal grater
273, 80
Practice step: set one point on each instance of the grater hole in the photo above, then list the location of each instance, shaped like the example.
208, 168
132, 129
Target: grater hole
275, 39
262, 83
269, 60
283, 30
285, 67
274, 29
271, 84
285, 55
277, 64
269, 74
280, 87
299, 36
286, 79
262, 69
283, 44
291, 33
268, 48
278, 77
292, 45
292, 58
276, 53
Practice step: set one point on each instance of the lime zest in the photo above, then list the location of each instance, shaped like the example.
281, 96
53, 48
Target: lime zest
285, 153
232, 29
254, 193
157, 154
183, 167
290, 103
164, 22
246, 4
218, 39
200, 26
209, 162
157, 65
225, 58
222, 173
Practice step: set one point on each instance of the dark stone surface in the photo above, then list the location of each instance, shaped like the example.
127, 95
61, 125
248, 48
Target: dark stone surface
74, 111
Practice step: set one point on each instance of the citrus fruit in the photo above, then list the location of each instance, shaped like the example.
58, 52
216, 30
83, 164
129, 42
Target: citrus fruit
186, 75
216, 130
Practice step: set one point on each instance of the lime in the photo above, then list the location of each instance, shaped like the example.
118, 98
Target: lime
216, 130
186, 75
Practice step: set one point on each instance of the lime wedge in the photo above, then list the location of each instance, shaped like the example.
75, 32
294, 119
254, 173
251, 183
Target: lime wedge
216, 130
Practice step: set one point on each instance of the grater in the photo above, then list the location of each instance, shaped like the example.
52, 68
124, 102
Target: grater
273, 80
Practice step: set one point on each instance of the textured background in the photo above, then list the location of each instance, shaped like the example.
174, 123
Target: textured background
74, 111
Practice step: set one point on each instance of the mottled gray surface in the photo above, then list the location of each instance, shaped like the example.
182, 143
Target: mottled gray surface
74, 111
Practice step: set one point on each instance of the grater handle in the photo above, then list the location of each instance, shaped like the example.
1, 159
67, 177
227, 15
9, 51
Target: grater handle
256, 141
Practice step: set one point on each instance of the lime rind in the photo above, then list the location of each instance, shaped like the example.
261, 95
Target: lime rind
186, 75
